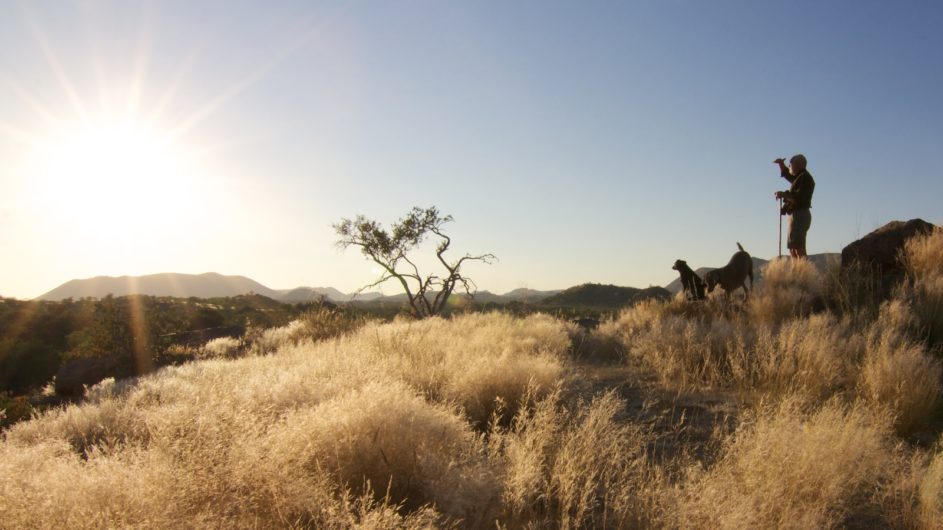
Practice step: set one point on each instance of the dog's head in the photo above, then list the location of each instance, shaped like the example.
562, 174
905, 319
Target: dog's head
711, 279
680, 265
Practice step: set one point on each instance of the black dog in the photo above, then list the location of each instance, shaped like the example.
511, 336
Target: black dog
691, 283
733, 275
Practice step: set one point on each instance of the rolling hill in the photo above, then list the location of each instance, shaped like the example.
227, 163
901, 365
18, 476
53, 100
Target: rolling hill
208, 285
608, 296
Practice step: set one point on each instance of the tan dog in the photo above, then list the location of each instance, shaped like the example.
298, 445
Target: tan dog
733, 275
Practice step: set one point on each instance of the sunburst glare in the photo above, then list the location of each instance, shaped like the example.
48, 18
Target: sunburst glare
114, 173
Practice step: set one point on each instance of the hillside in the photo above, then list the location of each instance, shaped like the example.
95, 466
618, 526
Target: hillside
604, 296
671, 414
208, 285
213, 285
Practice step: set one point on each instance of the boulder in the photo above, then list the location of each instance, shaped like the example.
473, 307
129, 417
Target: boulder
880, 250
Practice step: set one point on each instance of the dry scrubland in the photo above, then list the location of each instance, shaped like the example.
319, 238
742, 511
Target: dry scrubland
487, 421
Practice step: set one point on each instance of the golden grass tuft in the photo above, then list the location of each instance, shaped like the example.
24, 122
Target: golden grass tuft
930, 491
897, 373
812, 356
473, 360
791, 469
575, 468
417, 453
923, 259
791, 288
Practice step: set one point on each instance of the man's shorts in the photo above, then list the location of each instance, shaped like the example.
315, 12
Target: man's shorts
799, 223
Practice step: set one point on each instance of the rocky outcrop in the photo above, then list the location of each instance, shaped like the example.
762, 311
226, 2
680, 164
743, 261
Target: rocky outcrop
880, 250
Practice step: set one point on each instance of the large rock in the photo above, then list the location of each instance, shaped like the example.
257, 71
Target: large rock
880, 250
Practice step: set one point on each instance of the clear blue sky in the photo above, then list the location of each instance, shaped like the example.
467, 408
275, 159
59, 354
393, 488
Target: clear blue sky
577, 141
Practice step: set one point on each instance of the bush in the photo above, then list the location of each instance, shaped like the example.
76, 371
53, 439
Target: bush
13, 409
26, 364
222, 348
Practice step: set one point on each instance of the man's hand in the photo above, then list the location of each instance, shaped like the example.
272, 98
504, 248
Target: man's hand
780, 161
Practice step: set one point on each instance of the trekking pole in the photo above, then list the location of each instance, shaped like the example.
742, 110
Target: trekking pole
779, 200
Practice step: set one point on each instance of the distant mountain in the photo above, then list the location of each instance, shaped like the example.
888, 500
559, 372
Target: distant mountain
604, 296
529, 295
518, 295
479, 297
819, 260
313, 294
208, 285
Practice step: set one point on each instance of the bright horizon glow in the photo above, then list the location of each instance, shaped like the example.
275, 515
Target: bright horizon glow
113, 173
577, 143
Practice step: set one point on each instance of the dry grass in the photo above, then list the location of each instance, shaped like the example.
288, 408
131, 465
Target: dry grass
790, 469
898, 373
923, 258
791, 288
476, 422
930, 491
576, 468
813, 354
377, 420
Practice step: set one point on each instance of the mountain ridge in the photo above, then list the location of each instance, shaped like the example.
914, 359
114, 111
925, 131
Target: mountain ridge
205, 285
216, 285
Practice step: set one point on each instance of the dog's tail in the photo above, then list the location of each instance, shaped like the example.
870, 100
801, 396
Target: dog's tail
740, 246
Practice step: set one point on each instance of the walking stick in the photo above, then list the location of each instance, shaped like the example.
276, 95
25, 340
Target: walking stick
779, 200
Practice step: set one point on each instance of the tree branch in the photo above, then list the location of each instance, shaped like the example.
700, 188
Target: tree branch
389, 249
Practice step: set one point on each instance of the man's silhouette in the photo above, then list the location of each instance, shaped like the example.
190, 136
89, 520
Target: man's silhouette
797, 202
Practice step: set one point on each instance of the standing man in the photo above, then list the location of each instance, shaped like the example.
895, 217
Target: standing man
797, 202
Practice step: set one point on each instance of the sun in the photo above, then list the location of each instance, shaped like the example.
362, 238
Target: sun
114, 176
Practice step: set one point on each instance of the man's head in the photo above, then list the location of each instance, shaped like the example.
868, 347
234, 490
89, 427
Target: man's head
797, 164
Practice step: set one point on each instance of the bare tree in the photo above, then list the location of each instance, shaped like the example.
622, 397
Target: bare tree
427, 294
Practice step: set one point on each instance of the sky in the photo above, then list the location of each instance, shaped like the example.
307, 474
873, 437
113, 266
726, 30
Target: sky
578, 142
